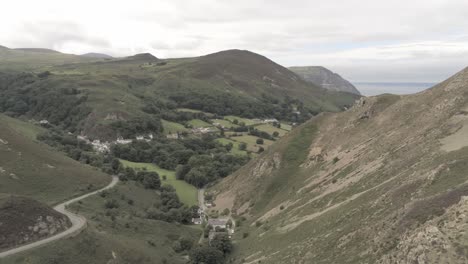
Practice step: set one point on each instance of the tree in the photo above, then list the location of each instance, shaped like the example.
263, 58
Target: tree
206, 255
222, 243
276, 134
151, 180
259, 141
261, 149
242, 146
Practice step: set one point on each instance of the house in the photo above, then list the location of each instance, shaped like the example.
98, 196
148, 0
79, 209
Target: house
197, 221
270, 120
218, 222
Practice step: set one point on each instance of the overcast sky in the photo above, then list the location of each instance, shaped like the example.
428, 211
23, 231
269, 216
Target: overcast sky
363, 40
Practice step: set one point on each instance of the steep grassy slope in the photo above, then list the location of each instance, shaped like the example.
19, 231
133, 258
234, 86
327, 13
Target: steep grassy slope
380, 183
33, 169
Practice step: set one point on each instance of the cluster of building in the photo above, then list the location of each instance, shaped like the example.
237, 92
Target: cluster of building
105, 146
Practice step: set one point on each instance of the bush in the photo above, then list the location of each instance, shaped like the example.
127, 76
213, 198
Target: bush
259, 141
111, 204
276, 134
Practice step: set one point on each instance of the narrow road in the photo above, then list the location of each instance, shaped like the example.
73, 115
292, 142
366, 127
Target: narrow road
78, 223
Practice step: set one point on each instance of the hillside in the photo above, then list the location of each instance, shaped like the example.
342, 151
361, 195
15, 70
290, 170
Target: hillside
24, 220
384, 182
32, 169
107, 91
325, 78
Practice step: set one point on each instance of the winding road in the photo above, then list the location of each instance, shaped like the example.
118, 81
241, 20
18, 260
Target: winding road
78, 223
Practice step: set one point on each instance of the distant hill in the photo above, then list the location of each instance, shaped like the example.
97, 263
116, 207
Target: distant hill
38, 50
32, 59
97, 55
323, 77
384, 182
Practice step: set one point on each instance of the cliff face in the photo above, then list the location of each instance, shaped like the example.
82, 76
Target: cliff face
323, 77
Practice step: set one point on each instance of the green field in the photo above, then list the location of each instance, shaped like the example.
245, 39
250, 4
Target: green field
251, 142
172, 127
35, 170
247, 121
270, 129
286, 127
196, 123
235, 149
187, 193
188, 110
225, 123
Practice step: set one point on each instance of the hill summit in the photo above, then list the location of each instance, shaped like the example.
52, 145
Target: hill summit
384, 182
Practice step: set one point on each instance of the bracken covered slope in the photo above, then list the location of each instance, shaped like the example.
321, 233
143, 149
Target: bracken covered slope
384, 182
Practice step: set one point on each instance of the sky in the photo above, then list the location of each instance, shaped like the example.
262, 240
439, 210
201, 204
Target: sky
362, 40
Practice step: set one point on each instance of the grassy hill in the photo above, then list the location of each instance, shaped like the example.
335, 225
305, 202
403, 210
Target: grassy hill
106, 91
31, 59
383, 182
32, 169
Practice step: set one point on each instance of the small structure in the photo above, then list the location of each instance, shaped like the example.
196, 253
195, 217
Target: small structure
197, 221
270, 120
218, 222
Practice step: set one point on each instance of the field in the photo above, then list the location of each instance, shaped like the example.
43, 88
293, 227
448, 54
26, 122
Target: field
172, 127
35, 170
187, 193
251, 142
270, 129
115, 235
235, 149
227, 124
247, 121
196, 123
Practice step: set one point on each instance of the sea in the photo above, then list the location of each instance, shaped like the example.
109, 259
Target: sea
376, 88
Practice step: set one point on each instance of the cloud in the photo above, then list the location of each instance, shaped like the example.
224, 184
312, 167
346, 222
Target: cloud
363, 40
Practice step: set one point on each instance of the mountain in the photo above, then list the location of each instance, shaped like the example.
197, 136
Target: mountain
39, 50
97, 55
110, 94
324, 77
383, 182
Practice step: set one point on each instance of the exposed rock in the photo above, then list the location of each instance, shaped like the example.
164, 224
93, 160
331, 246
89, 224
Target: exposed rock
321, 76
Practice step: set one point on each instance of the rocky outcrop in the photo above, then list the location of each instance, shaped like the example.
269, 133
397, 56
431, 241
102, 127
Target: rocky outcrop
321, 76
24, 220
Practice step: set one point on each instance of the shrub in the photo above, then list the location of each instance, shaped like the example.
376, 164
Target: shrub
259, 141
111, 204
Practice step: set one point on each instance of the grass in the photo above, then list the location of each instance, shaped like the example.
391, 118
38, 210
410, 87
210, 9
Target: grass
235, 149
25, 128
225, 123
189, 110
35, 170
196, 123
251, 142
270, 129
187, 193
247, 121
172, 127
